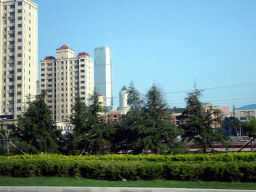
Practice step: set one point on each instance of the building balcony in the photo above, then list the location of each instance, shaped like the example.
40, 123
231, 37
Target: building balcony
11, 46
11, 32
10, 91
10, 76
9, 106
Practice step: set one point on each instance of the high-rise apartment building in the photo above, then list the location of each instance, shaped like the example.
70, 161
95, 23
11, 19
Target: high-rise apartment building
65, 77
103, 75
18, 54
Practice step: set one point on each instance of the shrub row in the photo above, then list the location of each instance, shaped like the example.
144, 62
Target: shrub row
132, 170
227, 157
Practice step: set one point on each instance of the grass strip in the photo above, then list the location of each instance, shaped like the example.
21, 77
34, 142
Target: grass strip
81, 182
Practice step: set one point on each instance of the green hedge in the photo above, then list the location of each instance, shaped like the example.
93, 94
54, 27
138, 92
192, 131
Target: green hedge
227, 157
131, 170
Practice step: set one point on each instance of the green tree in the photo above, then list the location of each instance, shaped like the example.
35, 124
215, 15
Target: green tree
155, 127
198, 123
250, 127
90, 129
37, 129
231, 126
126, 136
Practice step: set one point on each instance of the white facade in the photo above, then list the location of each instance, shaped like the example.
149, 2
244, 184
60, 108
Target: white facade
123, 97
103, 75
18, 54
64, 78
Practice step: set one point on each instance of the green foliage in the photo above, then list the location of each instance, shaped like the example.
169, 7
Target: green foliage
90, 129
130, 170
155, 126
198, 124
225, 157
37, 127
231, 125
250, 126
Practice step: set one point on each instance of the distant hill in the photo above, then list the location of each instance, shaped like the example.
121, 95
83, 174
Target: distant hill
252, 106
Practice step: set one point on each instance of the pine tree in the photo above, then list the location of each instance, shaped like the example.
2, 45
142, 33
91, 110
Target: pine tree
37, 127
198, 124
126, 135
90, 130
155, 127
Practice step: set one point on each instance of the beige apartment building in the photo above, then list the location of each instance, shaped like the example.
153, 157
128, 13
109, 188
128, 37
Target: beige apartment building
18, 54
245, 115
65, 77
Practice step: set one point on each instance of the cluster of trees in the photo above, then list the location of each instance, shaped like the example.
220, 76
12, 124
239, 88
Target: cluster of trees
146, 126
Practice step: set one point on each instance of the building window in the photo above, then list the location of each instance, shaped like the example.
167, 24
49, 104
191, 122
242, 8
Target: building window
19, 55
82, 76
12, 21
42, 70
18, 108
12, 6
19, 93
19, 40
12, 42
19, 3
42, 64
19, 25
18, 70
18, 85
19, 18
11, 57
12, 28
19, 78
19, 62
19, 32
19, 47
83, 87
19, 10
11, 79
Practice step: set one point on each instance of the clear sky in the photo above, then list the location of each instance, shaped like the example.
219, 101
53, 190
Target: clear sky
171, 43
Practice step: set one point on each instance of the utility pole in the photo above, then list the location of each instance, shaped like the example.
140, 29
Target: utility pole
7, 141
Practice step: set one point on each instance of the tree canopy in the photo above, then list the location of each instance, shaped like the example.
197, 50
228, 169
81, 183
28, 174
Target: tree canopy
197, 123
38, 128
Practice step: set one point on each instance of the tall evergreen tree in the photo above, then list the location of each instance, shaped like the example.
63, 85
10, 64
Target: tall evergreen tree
155, 127
90, 130
126, 137
38, 128
197, 124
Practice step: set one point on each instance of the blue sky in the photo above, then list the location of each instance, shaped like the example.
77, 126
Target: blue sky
170, 43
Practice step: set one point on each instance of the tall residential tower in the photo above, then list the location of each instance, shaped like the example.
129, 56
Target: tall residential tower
103, 75
18, 54
65, 77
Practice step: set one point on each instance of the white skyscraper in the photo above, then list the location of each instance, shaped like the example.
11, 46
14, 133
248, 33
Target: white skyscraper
18, 54
103, 75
